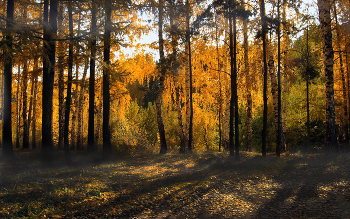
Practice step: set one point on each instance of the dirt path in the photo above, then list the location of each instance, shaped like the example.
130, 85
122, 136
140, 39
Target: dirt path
178, 186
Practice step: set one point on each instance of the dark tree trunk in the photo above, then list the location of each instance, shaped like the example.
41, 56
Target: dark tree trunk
75, 93
232, 99
107, 146
248, 85
7, 127
30, 110
237, 144
286, 71
91, 125
19, 106
328, 62
279, 144
25, 140
69, 85
307, 92
220, 85
189, 101
163, 145
348, 85
35, 81
264, 33
61, 54
50, 32
98, 120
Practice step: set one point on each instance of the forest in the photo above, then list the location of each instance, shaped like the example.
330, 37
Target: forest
174, 109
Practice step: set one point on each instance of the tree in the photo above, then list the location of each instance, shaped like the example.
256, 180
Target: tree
234, 146
248, 86
69, 84
174, 33
264, 36
309, 71
107, 146
93, 30
189, 84
328, 62
50, 32
8, 59
19, 106
280, 139
61, 54
34, 97
163, 145
220, 100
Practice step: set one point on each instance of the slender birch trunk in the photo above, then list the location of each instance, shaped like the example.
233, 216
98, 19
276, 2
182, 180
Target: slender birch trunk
328, 62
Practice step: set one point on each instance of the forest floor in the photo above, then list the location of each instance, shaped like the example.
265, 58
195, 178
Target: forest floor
207, 185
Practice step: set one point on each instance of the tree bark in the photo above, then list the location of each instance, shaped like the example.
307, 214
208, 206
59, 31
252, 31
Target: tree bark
175, 69
35, 81
220, 84
328, 62
7, 127
69, 85
307, 92
277, 114
234, 117
286, 71
163, 145
264, 33
248, 84
91, 125
107, 146
19, 107
189, 90
75, 94
61, 54
280, 139
25, 140
98, 120
50, 32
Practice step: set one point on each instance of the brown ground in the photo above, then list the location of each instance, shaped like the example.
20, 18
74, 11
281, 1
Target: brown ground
177, 186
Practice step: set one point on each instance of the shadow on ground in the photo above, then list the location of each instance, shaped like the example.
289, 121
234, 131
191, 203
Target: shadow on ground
180, 186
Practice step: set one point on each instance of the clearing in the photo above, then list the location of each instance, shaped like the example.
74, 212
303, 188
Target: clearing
207, 185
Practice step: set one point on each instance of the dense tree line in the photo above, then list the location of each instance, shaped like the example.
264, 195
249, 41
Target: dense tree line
209, 90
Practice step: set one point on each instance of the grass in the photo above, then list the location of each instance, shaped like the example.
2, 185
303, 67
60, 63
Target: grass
177, 186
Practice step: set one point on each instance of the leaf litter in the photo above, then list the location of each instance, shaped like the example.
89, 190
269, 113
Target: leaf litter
207, 185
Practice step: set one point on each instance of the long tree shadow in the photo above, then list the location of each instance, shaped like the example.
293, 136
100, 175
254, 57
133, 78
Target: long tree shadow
192, 178
300, 194
196, 180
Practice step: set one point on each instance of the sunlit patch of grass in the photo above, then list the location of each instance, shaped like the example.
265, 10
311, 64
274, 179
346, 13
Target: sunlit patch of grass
341, 186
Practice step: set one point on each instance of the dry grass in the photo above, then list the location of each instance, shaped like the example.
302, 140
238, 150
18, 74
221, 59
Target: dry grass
177, 186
